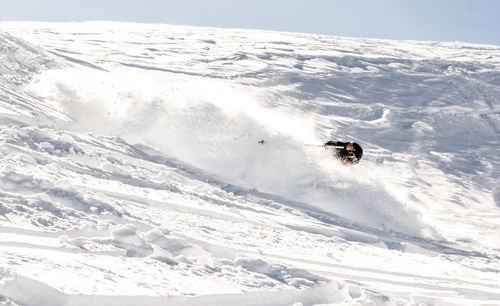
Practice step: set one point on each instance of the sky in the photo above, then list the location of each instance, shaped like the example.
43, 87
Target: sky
476, 21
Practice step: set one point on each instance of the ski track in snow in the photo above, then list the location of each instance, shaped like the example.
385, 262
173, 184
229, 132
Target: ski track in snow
131, 171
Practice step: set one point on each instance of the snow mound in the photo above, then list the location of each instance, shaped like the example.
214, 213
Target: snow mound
21, 60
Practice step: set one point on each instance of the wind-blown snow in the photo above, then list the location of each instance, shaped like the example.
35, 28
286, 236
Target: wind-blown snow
132, 174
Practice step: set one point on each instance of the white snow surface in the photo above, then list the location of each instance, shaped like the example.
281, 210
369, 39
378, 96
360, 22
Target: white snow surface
131, 172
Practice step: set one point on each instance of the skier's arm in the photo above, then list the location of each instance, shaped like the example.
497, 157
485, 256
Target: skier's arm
336, 144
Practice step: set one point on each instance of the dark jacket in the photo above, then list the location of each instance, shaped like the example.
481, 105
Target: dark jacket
346, 156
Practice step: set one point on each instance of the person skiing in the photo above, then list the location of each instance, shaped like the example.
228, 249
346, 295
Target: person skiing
348, 152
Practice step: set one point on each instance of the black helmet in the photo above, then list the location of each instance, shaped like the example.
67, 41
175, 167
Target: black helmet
358, 151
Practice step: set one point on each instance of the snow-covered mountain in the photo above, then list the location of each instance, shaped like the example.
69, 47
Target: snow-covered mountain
132, 174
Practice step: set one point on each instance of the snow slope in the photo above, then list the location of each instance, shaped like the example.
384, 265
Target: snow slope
132, 174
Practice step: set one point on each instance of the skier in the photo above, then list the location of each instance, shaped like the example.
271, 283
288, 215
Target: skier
348, 152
